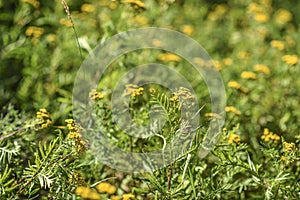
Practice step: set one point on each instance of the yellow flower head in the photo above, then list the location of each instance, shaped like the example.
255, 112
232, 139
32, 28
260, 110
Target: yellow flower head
128, 196
87, 193
262, 68
270, 136
94, 95
106, 188
290, 59
282, 16
234, 138
188, 30
261, 17
66, 22
218, 64
288, 146
232, 109
87, 8
166, 57
44, 117
244, 55
34, 31
136, 3
248, 75
227, 61
277, 44
140, 20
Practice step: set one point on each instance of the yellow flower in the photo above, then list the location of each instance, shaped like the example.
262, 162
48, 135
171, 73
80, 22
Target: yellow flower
175, 98
140, 20
34, 3
218, 64
51, 38
113, 197
188, 30
288, 146
277, 44
87, 8
290, 59
261, 17
254, 8
244, 55
34, 31
136, 3
282, 16
262, 68
227, 61
218, 12
236, 85
248, 75
106, 188
44, 117
270, 136
66, 22
94, 95
165, 57
87, 193
112, 5
234, 138
128, 196
232, 109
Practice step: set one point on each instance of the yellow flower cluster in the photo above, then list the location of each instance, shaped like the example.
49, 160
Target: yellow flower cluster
290, 59
87, 8
167, 57
277, 44
137, 4
259, 12
282, 16
183, 93
218, 12
227, 61
34, 31
87, 193
142, 20
269, 136
218, 64
74, 134
233, 110
105, 187
234, 138
262, 68
76, 178
66, 22
288, 146
133, 90
244, 55
188, 30
44, 116
236, 85
95, 95
248, 75
34, 3
128, 196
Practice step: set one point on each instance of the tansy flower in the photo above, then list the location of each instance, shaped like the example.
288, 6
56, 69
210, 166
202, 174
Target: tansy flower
248, 75
218, 12
51, 38
133, 90
94, 95
34, 31
166, 57
128, 196
270, 136
227, 61
135, 3
290, 59
282, 16
140, 20
113, 197
232, 109
236, 85
106, 188
66, 22
218, 64
261, 17
254, 8
277, 44
174, 98
244, 55
234, 138
87, 8
262, 68
288, 146
87, 193
44, 116
188, 30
